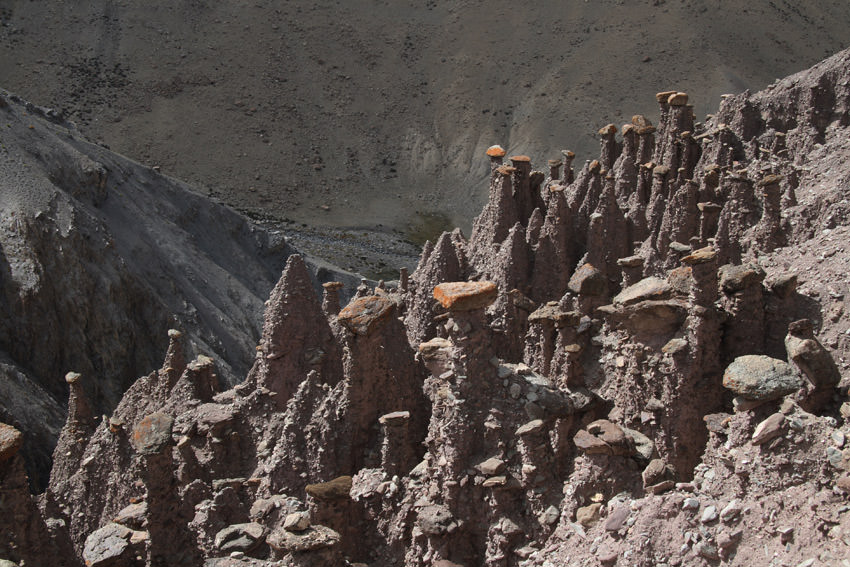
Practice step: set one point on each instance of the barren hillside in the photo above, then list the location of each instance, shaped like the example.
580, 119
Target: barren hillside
376, 110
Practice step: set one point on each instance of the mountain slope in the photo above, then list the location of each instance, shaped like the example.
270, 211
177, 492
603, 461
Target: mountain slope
99, 257
379, 106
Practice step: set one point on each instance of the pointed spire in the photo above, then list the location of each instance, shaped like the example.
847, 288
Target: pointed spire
609, 150
447, 262
535, 224
296, 335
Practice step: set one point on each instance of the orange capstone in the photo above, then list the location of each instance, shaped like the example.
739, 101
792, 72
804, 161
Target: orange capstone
465, 296
496, 151
521, 159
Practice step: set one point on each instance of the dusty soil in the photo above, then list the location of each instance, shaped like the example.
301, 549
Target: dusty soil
368, 114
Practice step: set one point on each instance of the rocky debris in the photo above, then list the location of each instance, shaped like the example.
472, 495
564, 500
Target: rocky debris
761, 378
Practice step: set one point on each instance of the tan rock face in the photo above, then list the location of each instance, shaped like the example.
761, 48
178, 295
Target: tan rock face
10, 441
465, 296
365, 314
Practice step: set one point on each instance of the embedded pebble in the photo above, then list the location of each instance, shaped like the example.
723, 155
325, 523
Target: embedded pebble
709, 515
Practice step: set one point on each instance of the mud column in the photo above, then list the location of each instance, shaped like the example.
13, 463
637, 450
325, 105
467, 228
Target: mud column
608, 146
396, 452
330, 298
569, 174
171, 543
709, 213
769, 231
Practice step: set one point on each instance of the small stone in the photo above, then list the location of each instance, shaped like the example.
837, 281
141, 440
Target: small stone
336, 489
533, 426
515, 391
807, 562
737, 278
707, 550
650, 288
496, 151
436, 520
549, 516
366, 314
678, 99
741, 404
73, 377
768, 429
152, 434
240, 537
311, 539
591, 444
608, 431
708, 515
495, 481
726, 540
491, 466
838, 438
835, 457
133, 516
617, 518
643, 445
661, 487
109, 545
760, 377
701, 256
395, 418
296, 522
691, 504
784, 285
10, 441
588, 515
465, 296
588, 281
730, 511
785, 534
675, 346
